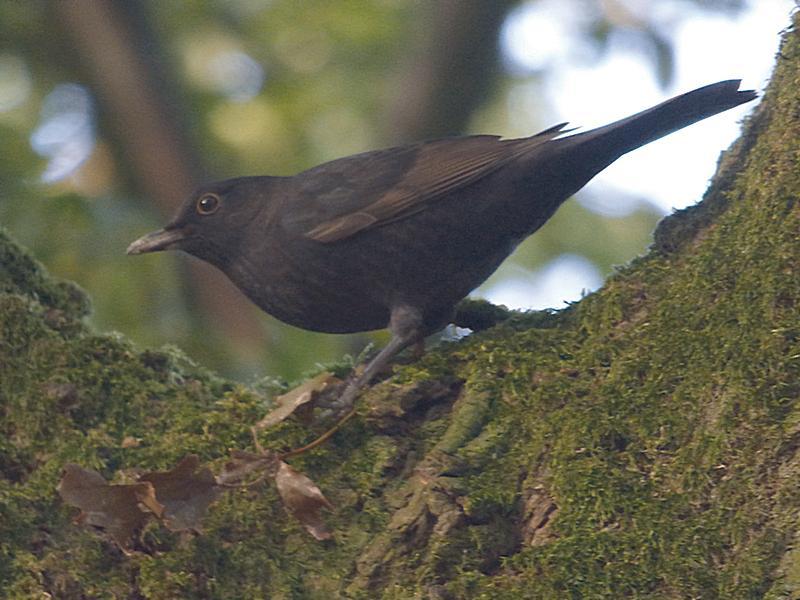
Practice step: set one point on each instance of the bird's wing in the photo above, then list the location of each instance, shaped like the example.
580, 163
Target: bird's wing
393, 184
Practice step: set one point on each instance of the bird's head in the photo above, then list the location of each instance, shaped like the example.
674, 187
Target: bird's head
213, 221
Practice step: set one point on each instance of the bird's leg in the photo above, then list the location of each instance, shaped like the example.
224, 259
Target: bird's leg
407, 327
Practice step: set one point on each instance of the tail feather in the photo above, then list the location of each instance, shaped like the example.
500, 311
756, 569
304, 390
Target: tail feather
642, 128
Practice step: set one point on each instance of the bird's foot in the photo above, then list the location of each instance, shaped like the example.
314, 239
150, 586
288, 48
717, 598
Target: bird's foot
344, 403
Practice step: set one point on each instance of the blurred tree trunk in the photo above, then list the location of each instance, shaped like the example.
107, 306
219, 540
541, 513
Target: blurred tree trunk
137, 90
452, 66
643, 443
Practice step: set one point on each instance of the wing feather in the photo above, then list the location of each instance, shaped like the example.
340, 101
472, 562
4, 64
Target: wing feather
440, 167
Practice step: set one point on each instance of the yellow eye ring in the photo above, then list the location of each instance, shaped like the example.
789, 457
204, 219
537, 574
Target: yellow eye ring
208, 204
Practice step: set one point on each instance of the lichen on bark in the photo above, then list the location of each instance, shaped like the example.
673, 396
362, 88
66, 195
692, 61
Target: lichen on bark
642, 443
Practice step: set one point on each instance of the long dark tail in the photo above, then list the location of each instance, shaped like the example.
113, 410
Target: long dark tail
606, 144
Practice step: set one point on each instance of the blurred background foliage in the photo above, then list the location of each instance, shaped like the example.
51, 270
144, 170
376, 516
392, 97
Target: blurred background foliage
112, 110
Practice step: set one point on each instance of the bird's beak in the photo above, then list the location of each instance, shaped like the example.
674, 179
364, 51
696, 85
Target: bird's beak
163, 239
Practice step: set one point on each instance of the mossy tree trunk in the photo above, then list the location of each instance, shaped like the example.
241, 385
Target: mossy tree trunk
642, 443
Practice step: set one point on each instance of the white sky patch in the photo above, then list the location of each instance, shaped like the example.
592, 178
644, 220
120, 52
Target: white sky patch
65, 133
566, 277
534, 36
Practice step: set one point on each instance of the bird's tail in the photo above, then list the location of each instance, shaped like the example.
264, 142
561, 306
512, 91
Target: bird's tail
609, 142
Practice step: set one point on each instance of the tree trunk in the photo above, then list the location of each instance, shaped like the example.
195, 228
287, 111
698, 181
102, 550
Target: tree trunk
642, 443
450, 68
114, 44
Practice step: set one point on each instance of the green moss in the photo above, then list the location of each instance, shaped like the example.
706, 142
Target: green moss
21, 274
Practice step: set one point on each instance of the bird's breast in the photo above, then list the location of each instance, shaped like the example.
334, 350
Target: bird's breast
313, 289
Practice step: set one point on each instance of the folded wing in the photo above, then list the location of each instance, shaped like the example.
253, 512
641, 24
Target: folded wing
437, 168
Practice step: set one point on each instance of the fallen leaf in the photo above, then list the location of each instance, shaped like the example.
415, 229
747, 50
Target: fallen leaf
292, 400
118, 509
303, 499
185, 492
244, 463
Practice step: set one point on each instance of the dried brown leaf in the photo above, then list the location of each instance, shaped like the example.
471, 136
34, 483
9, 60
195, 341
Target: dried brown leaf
244, 463
294, 399
185, 491
303, 499
118, 509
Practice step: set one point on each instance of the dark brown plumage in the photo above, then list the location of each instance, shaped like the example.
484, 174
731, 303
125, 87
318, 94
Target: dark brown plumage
397, 237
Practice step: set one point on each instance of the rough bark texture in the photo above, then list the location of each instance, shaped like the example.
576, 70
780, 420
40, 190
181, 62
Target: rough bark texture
643, 443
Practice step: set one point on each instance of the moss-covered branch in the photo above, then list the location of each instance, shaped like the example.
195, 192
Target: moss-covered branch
642, 443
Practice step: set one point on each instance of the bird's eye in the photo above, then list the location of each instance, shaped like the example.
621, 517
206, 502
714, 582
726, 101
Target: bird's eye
208, 204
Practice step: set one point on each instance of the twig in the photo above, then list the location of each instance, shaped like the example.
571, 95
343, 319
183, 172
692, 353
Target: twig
321, 439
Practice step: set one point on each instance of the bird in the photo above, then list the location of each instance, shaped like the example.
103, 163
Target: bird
397, 237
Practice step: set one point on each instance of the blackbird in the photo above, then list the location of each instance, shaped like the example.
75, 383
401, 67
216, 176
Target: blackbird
397, 237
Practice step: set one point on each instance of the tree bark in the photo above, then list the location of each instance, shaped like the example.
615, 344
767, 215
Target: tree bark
643, 443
